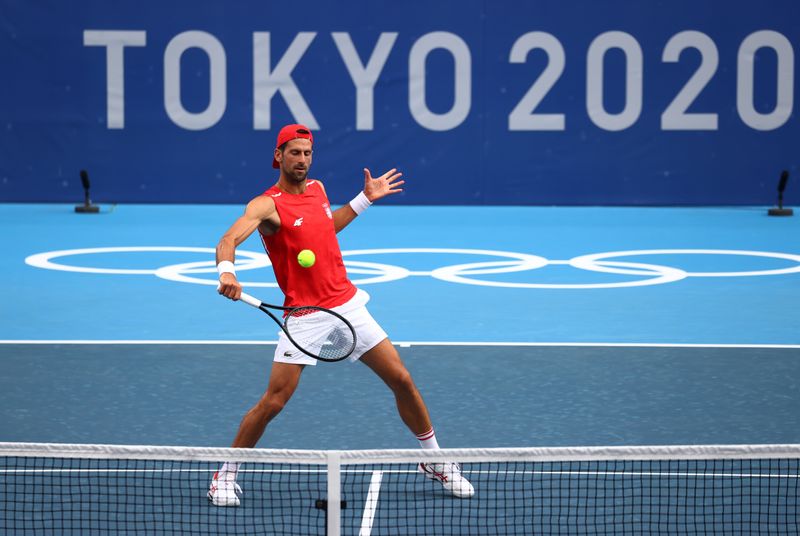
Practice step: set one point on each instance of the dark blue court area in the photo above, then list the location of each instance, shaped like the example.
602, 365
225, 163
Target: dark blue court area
479, 396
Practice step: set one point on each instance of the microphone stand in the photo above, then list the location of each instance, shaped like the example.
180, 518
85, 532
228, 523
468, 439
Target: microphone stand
87, 207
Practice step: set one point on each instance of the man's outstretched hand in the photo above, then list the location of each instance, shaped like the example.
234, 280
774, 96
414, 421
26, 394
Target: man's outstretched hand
387, 184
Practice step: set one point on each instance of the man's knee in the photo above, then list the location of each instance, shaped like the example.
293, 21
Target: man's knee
270, 406
401, 381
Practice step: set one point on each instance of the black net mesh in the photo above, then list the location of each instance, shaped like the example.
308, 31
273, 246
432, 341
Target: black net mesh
50, 493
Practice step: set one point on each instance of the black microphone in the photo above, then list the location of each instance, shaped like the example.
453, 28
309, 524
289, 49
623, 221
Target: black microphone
85, 182
85, 179
87, 206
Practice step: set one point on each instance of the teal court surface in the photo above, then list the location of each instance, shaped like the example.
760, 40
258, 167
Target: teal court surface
530, 326
523, 327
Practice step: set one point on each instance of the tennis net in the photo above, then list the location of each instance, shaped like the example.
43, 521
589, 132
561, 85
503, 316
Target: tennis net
101, 489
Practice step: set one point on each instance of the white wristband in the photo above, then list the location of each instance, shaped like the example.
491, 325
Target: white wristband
360, 203
226, 267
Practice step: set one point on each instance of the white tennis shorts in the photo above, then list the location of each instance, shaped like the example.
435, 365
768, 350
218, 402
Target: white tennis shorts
368, 333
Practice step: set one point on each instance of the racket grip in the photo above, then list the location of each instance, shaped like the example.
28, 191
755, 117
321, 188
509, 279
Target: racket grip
250, 300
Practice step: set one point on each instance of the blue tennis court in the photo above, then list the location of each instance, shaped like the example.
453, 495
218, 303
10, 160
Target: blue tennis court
549, 328
552, 326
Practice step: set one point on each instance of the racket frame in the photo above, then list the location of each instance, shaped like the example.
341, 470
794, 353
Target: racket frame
265, 307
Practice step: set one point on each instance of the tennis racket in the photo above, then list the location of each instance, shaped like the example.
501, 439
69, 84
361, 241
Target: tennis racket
317, 332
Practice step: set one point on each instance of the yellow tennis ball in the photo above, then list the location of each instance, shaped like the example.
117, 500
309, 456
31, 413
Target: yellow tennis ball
306, 258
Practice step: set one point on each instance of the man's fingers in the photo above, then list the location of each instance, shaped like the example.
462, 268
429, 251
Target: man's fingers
233, 294
232, 291
395, 188
391, 175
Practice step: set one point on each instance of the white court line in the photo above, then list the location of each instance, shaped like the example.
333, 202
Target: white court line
128, 341
371, 504
408, 344
598, 344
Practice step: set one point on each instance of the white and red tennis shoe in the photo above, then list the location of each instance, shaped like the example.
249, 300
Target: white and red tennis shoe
224, 491
449, 475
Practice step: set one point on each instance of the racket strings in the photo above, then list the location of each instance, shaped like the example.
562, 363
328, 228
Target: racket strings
320, 333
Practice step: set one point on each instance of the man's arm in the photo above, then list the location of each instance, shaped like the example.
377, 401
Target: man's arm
258, 210
374, 189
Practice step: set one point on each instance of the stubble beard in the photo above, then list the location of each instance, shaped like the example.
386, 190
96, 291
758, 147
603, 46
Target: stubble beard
296, 176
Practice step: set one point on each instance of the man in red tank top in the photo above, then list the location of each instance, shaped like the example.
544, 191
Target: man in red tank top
293, 215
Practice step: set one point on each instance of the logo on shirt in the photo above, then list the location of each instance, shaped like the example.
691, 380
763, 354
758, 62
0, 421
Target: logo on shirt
327, 208
298, 222
276, 195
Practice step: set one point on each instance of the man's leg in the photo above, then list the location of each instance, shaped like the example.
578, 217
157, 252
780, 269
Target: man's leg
283, 381
384, 360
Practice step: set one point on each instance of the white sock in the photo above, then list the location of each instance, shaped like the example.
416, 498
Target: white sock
228, 471
428, 440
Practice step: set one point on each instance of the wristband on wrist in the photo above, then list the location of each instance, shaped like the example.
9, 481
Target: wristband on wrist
226, 267
360, 203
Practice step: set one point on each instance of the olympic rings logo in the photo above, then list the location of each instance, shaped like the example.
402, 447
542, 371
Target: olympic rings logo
642, 274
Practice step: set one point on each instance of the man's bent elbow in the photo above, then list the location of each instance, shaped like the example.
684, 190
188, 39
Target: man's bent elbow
226, 246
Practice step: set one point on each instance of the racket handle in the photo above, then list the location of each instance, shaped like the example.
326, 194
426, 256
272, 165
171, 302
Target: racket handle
250, 300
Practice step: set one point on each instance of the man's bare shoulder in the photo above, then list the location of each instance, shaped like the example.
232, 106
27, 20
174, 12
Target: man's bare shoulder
261, 207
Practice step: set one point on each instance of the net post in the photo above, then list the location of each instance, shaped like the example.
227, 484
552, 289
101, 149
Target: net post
334, 513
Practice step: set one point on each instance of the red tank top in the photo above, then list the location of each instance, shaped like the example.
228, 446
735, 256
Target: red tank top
307, 223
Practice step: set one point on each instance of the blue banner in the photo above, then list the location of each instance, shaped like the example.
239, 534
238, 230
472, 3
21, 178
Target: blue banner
493, 103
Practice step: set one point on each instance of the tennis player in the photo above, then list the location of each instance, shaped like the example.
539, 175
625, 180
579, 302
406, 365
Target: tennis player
291, 216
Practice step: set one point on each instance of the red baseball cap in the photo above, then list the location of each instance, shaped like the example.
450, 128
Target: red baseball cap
289, 133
